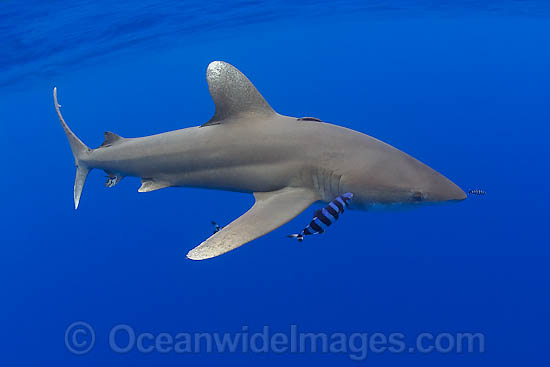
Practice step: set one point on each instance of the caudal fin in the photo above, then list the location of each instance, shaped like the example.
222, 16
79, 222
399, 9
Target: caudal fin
79, 149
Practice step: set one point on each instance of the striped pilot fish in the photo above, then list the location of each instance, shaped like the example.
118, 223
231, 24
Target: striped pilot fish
216, 226
476, 192
325, 217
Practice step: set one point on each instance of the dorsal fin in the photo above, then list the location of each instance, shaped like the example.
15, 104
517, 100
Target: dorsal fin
233, 93
110, 139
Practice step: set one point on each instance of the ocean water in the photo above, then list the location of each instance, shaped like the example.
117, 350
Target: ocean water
461, 85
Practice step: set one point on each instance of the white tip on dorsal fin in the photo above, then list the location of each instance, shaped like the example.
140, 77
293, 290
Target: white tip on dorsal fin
233, 93
110, 139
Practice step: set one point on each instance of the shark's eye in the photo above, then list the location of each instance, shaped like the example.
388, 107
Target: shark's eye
417, 196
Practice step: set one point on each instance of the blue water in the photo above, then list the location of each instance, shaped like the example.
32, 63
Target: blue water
462, 86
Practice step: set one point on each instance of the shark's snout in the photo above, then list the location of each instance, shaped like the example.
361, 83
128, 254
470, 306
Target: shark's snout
444, 189
455, 193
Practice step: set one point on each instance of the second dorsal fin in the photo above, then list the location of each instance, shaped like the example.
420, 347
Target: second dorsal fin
110, 139
233, 93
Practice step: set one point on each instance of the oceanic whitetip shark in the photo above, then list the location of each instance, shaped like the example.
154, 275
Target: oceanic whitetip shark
287, 163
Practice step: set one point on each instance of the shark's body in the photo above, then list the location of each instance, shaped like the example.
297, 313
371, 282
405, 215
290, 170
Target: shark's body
288, 163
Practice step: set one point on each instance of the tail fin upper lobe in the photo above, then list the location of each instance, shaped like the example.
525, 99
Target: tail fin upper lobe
79, 149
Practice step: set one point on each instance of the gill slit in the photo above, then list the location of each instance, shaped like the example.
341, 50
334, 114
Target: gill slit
326, 183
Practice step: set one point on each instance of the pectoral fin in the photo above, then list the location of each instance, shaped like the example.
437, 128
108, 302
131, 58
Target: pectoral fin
270, 211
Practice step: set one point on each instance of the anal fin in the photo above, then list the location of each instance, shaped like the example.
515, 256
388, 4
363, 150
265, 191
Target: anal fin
149, 184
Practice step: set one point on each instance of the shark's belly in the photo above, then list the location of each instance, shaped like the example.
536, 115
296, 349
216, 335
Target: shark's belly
242, 167
257, 177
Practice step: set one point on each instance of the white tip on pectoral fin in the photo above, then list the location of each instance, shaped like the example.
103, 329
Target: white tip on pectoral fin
270, 211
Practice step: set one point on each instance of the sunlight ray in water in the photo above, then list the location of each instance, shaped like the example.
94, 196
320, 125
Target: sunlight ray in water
38, 37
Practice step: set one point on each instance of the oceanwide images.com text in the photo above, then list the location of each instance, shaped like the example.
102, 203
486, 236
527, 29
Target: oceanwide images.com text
80, 338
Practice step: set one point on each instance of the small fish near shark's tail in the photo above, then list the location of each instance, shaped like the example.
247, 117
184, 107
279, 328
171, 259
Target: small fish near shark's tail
298, 236
79, 149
